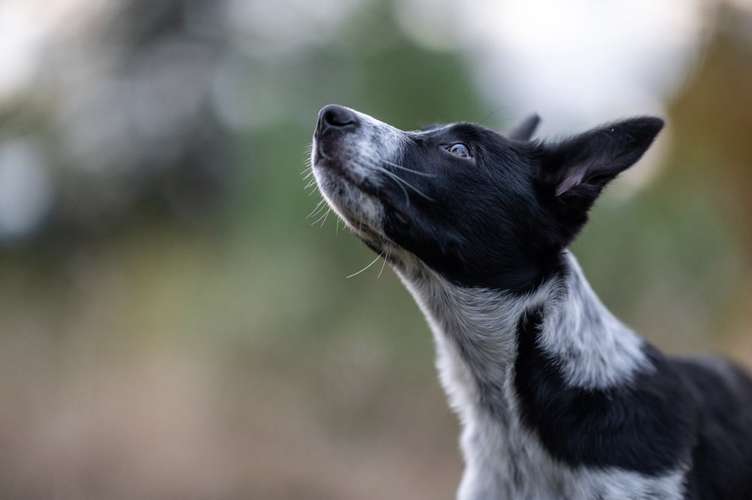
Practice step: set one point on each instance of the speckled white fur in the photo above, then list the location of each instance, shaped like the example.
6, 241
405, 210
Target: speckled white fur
595, 350
503, 459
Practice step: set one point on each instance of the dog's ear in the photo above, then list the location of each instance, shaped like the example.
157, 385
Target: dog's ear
577, 169
525, 129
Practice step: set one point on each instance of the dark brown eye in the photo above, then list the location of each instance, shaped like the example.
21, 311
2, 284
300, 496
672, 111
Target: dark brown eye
459, 150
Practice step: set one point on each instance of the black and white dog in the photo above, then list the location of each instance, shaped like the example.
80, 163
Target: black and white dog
558, 399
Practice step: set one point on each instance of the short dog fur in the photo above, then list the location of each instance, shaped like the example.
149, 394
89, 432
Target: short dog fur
558, 399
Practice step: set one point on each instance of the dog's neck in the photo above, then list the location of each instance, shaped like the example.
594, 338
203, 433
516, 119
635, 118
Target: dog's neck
483, 337
476, 335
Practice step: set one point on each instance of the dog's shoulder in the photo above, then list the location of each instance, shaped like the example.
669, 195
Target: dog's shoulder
721, 467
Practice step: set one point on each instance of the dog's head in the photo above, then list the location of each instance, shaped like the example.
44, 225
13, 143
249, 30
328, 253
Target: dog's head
477, 207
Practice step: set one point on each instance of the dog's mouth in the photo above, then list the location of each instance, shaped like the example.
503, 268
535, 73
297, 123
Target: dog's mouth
342, 169
355, 196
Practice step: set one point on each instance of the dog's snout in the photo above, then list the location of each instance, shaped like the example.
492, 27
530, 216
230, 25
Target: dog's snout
337, 117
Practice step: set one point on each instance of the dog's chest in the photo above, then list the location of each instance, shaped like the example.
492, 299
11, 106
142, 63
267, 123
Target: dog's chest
475, 333
502, 460
505, 461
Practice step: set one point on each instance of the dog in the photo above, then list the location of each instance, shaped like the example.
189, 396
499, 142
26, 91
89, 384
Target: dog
557, 398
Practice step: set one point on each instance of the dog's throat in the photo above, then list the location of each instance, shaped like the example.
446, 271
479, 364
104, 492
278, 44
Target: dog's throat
481, 334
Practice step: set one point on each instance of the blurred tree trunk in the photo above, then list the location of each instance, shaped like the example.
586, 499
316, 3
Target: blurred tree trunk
715, 124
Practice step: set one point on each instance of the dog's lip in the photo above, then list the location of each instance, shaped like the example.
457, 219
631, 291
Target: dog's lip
362, 228
340, 172
343, 173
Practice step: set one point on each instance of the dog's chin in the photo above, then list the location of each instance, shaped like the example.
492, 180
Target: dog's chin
358, 207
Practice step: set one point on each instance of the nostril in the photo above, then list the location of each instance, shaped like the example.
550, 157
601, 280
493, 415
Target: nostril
338, 116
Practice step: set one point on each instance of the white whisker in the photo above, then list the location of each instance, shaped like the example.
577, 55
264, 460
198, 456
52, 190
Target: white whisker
365, 268
319, 206
399, 179
322, 218
383, 264
326, 216
395, 165
396, 181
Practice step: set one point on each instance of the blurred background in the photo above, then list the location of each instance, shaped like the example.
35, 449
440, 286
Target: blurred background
176, 324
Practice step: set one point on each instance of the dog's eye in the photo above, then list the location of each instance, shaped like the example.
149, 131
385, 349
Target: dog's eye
459, 150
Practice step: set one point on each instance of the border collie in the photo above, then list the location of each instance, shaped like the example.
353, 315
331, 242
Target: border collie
558, 399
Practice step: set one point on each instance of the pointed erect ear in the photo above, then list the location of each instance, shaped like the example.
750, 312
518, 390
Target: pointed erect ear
581, 166
525, 129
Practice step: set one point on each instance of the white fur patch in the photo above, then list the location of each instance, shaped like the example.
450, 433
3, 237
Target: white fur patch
594, 349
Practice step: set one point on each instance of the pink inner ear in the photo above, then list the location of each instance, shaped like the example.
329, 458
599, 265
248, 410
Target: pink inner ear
573, 178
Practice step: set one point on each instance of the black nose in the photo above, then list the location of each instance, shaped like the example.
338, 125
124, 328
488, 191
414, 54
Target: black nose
333, 116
